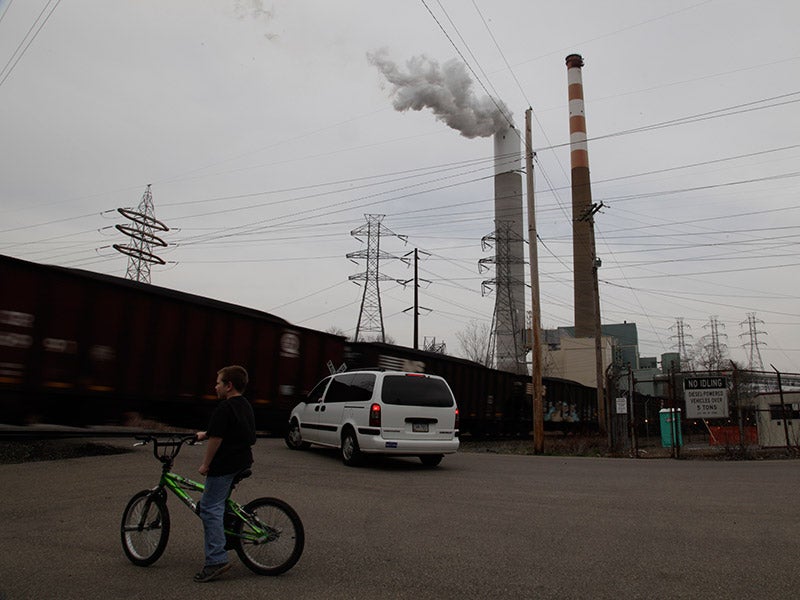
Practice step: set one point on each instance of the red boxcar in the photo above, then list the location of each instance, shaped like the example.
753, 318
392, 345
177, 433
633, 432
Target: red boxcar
83, 348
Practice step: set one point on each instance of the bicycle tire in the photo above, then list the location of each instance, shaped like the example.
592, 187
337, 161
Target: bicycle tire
145, 528
271, 540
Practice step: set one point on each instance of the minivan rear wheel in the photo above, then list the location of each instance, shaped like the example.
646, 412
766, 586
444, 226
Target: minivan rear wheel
351, 455
431, 460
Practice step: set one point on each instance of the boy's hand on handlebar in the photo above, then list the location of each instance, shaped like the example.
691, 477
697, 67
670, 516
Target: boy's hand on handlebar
200, 436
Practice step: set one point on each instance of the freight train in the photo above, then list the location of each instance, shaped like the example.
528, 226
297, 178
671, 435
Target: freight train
82, 348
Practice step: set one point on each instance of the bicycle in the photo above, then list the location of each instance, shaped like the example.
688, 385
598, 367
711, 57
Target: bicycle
266, 533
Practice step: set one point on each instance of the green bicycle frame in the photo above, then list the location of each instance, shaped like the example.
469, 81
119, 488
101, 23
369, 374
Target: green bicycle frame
178, 485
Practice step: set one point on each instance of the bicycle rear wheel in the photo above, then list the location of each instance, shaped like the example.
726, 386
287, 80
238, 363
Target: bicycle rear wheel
145, 528
271, 540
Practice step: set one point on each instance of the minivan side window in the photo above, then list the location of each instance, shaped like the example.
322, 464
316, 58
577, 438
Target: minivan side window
363, 385
315, 395
410, 390
351, 387
338, 390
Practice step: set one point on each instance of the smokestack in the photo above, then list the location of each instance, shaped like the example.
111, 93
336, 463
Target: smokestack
509, 314
582, 234
447, 91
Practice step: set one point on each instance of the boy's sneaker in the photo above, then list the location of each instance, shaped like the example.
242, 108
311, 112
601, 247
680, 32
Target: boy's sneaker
211, 572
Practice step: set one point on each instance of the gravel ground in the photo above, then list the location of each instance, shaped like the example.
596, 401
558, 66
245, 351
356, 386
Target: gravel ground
20, 451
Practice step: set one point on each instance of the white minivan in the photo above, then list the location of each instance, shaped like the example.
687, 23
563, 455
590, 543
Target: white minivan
378, 412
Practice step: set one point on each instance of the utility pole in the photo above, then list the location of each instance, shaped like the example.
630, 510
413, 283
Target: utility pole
533, 253
416, 308
416, 299
588, 216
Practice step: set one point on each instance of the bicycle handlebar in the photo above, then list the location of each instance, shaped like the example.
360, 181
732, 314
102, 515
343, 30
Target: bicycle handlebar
173, 443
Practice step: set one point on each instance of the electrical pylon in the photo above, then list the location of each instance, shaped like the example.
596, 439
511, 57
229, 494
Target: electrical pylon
370, 316
509, 319
754, 353
714, 347
431, 345
681, 335
140, 249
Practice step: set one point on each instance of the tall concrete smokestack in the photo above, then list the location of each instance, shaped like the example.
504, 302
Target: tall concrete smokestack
582, 233
509, 312
447, 91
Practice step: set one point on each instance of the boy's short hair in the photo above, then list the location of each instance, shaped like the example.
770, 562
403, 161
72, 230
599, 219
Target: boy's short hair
236, 375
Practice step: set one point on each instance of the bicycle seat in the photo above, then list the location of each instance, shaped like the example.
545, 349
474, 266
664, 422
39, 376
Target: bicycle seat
243, 474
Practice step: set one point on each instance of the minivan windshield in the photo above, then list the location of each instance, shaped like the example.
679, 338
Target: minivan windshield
415, 390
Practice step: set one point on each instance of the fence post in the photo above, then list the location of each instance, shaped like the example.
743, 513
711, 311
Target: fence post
783, 410
632, 396
676, 423
735, 390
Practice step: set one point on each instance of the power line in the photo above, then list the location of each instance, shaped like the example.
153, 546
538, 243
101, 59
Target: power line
479, 80
5, 73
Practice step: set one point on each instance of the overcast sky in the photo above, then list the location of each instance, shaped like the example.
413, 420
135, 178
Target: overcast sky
267, 135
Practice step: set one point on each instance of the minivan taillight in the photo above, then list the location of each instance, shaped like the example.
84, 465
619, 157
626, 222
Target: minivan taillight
456, 424
375, 415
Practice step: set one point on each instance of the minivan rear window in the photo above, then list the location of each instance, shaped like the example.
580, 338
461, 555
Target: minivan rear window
407, 390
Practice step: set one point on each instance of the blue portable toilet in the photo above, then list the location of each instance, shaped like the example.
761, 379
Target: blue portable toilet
666, 416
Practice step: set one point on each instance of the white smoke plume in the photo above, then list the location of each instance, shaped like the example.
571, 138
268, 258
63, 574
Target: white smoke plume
446, 90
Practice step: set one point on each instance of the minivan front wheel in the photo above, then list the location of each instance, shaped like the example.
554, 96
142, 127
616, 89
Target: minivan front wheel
351, 455
431, 460
294, 438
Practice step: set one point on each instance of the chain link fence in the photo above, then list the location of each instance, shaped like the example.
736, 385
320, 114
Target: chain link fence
734, 412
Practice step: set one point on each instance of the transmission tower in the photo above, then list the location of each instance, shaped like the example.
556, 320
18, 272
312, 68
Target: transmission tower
754, 353
681, 336
430, 345
140, 249
370, 316
508, 320
714, 348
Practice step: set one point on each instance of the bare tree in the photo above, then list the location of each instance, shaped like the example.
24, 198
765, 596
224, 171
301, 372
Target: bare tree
387, 339
337, 331
474, 342
706, 357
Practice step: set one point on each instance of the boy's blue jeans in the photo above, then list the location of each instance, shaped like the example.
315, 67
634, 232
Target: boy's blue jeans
212, 510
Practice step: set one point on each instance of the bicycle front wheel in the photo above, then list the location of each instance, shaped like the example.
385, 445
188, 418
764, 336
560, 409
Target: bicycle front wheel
271, 540
145, 528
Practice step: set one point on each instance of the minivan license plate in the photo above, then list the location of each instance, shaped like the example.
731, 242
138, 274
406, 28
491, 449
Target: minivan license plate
419, 427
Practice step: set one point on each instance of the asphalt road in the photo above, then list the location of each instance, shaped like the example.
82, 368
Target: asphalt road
478, 526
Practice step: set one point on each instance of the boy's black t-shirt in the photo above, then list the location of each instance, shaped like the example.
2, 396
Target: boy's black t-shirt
234, 422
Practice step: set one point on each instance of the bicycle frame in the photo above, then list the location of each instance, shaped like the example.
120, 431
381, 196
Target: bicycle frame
178, 485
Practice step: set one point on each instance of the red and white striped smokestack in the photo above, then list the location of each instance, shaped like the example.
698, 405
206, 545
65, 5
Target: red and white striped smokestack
582, 234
